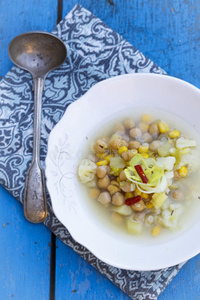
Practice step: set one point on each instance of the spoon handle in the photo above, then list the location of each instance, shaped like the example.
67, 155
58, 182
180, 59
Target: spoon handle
35, 204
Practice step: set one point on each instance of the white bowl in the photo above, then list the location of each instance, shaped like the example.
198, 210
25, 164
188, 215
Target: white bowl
66, 146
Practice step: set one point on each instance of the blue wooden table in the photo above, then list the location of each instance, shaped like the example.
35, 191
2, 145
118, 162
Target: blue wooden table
33, 264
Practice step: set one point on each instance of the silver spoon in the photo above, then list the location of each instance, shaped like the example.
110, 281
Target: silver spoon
38, 53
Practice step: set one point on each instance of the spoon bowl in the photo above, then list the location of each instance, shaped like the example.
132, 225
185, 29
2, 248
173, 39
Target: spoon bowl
37, 52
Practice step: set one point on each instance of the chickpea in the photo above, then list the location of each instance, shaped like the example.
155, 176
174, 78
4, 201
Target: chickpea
116, 218
106, 138
144, 127
119, 127
153, 129
123, 143
103, 182
122, 176
177, 195
101, 171
128, 155
104, 198
129, 123
134, 145
101, 146
108, 169
94, 193
118, 199
147, 138
139, 206
117, 143
176, 175
125, 156
154, 146
135, 133
128, 187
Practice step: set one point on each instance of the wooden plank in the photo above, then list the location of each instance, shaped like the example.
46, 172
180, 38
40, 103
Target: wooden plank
168, 32
24, 253
76, 279
186, 285
17, 17
25, 248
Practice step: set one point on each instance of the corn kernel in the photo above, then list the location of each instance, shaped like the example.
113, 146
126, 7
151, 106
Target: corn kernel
100, 155
122, 150
182, 171
118, 179
112, 189
129, 195
144, 196
145, 155
174, 134
143, 149
185, 151
108, 157
149, 205
155, 231
115, 171
127, 163
146, 118
163, 127
114, 182
102, 163
138, 192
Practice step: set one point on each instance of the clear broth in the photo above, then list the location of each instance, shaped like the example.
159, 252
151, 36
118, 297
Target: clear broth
101, 214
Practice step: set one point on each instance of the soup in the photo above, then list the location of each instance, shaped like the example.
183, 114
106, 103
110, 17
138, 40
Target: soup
144, 173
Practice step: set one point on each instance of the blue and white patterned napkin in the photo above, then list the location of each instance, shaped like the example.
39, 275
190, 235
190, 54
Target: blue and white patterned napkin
95, 52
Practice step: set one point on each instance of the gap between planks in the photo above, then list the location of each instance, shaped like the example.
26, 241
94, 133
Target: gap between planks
52, 268
53, 237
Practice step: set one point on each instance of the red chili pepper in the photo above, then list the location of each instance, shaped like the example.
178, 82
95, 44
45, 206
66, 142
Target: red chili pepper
133, 200
141, 173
